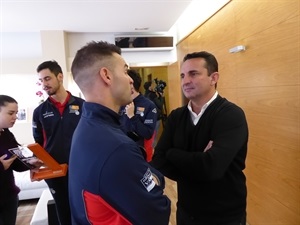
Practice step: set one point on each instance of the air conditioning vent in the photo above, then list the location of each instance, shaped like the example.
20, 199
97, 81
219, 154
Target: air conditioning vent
144, 42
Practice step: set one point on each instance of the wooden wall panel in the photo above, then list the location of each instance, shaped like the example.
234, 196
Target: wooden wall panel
175, 93
265, 81
255, 16
280, 103
182, 50
228, 93
217, 29
268, 53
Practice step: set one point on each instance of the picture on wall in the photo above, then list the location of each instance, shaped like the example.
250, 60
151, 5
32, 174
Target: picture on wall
22, 115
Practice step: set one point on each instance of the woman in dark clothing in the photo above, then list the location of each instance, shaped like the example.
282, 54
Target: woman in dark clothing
8, 189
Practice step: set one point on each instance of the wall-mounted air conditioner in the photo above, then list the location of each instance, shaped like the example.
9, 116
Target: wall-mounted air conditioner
144, 43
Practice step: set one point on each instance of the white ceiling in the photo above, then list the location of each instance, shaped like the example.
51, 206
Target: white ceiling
22, 20
113, 16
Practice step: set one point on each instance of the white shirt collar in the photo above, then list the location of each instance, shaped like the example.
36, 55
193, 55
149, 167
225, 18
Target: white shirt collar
195, 118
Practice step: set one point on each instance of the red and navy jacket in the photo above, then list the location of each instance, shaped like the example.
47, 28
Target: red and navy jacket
54, 131
141, 126
109, 180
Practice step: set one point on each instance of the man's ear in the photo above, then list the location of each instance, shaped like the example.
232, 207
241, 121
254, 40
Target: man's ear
214, 78
105, 75
60, 77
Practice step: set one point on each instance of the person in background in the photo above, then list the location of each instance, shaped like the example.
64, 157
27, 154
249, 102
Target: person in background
203, 147
54, 122
138, 118
158, 99
110, 182
8, 189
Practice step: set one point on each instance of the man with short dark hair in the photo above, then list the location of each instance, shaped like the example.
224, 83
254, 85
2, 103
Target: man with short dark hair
203, 147
158, 99
110, 182
54, 122
139, 117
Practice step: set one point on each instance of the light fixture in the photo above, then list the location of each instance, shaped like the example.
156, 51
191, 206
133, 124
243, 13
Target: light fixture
238, 48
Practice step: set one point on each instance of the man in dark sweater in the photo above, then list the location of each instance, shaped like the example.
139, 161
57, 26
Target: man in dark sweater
203, 147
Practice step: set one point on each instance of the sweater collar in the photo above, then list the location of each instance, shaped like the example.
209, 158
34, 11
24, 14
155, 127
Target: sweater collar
96, 111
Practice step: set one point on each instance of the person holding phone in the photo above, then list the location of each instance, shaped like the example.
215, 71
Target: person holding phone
8, 189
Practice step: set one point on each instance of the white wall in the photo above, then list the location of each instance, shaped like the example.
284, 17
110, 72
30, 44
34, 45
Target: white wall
23, 88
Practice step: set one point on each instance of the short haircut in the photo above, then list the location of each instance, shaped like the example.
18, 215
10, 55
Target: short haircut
210, 59
4, 99
88, 57
147, 85
53, 66
137, 80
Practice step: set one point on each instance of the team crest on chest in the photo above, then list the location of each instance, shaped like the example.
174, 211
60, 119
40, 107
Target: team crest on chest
140, 111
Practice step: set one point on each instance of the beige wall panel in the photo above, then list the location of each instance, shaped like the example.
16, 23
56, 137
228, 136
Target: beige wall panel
273, 127
215, 35
175, 93
268, 209
273, 156
281, 103
182, 50
255, 16
227, 71
229, 93
272, 57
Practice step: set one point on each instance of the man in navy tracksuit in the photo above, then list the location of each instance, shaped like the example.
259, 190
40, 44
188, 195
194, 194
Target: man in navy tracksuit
110, 183
54, 122
138, 118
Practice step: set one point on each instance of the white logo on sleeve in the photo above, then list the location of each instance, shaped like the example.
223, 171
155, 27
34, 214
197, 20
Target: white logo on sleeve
148, 180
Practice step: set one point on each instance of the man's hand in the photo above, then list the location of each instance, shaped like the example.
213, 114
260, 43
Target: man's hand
37, 163
209, 145
7, 162
129, 109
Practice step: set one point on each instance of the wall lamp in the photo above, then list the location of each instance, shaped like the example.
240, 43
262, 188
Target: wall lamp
238, 48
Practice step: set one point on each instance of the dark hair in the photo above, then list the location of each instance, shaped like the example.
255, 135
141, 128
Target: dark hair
53, 66
4, 99
91, 53
137, 80
211, 61
147, 85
